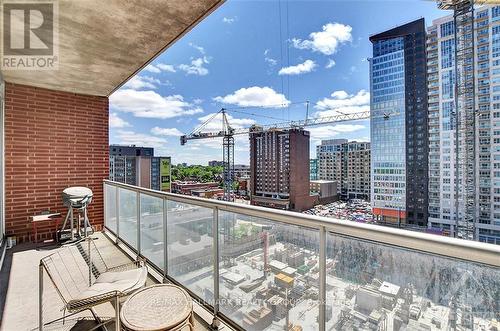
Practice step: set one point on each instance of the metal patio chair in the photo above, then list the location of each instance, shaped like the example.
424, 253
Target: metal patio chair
83, 280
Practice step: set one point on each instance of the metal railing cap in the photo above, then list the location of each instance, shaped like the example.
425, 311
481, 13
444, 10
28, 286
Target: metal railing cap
472, 251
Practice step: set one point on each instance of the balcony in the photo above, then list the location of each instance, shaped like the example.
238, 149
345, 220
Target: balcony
19, 279
240, 261
252, 268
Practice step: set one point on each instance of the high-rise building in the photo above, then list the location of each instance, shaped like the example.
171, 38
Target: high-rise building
485, 70
135, 166
155, 173
279, 163
347, 163
355, 179
399, 129
329, 155
313, 169
123, 169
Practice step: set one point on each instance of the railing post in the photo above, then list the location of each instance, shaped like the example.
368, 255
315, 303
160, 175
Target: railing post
165, 244
215, 234
40, 297
138, 205
322, 278
104, 202
90, 262
117, 211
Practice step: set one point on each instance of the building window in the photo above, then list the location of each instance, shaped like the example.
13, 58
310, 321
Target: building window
447, 29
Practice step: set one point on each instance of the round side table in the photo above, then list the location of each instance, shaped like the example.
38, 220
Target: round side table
157, 308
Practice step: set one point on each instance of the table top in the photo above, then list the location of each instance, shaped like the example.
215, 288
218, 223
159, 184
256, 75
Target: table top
45, 217
156, 307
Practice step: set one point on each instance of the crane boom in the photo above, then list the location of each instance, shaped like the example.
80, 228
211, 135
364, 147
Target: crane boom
283, 125
228, 133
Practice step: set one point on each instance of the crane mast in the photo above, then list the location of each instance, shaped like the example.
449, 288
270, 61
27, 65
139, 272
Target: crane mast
465, 116
227, 157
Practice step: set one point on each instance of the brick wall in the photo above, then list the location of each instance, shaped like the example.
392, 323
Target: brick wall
52, 140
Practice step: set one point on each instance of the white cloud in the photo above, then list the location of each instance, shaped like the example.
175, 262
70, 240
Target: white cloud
196, 67
330, 64
340, 102
229, 20
150, 104
116, 122
326, 41
329, 131
157, 68
341, 95
298, 69
255, 96
269, 60
142, 82
152, 68
166, 67
199, 48
126, 137
166, 131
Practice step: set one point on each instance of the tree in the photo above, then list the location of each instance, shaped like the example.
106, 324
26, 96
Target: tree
197, 173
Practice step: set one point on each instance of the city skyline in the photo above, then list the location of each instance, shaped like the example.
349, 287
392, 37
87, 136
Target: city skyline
324, 62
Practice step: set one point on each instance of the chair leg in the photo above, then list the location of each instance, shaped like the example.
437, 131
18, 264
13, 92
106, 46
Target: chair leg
117, 314
191, 321
98, 319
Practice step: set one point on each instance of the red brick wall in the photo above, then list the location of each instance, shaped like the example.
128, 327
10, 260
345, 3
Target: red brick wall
52, 140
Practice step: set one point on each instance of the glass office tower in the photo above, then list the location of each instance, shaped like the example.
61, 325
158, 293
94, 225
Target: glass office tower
399, 137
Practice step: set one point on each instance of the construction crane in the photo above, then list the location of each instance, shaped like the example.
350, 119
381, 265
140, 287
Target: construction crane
465, 113
227, 134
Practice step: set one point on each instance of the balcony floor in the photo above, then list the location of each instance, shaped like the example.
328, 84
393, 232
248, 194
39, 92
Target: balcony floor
19, 289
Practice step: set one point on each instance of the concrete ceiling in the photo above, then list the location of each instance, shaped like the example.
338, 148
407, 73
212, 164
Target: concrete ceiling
104, 43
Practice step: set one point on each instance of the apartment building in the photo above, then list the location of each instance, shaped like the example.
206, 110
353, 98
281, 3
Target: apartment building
329, 155
241, 171
355, 178
123, 169
347, 163
215, 163
485, 69
279, 163
138, 166
399, 130
313, 169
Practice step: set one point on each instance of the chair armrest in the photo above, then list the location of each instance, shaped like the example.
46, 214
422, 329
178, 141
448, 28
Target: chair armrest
91, 301
140, 262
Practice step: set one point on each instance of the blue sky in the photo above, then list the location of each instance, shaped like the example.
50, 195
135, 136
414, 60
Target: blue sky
244, 55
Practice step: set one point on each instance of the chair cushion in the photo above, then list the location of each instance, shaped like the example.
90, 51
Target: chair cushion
122, 281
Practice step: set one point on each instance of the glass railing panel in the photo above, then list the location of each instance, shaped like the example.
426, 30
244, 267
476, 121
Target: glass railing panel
269, 273
371, 286
152, 230
190, 248
128, 216
110, 211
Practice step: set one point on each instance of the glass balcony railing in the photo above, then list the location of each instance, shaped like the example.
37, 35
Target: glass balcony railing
266, 269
